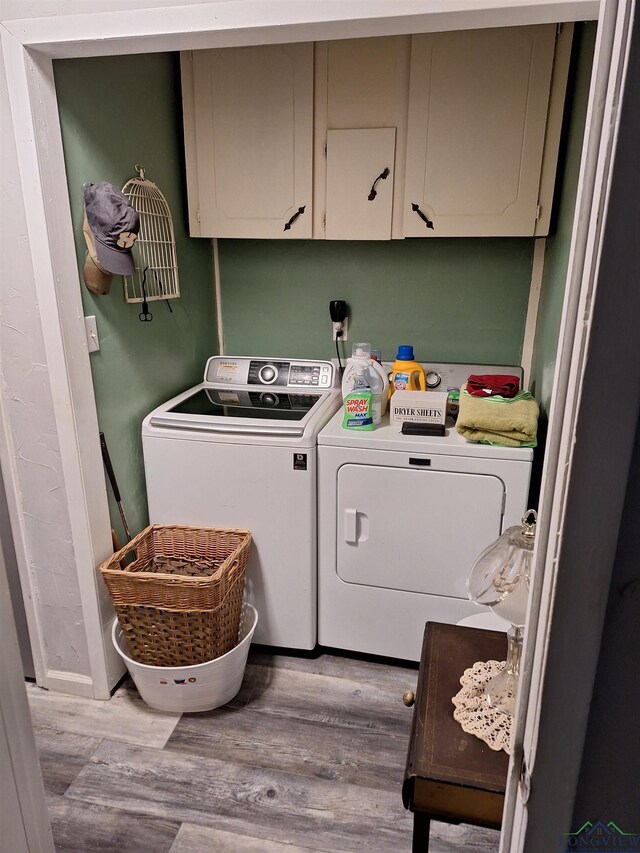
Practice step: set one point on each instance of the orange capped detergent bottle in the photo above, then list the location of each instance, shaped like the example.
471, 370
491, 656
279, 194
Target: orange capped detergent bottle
406, 373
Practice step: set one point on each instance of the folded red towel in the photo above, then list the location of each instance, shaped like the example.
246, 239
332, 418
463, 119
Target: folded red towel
490, 385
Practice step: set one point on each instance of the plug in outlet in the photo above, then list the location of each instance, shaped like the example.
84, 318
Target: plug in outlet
345, 330
338, 313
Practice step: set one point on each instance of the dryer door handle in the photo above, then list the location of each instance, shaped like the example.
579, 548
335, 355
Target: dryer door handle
350, 525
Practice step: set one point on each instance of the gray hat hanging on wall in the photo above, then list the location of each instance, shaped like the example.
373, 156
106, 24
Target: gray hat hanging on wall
114, 225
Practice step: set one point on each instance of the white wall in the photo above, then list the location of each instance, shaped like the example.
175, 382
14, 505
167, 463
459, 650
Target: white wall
39, 505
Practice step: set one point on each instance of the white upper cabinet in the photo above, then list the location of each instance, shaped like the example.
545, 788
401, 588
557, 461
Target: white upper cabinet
478, 103
361, 92
456, 133
248, 125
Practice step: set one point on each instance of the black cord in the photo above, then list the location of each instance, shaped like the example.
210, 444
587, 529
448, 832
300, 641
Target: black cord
338, 337
145, 314
161, 286
145, 306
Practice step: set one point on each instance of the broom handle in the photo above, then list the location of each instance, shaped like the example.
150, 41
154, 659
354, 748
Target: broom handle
114, 485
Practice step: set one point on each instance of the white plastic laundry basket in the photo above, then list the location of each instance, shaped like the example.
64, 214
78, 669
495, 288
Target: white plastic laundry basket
200, 687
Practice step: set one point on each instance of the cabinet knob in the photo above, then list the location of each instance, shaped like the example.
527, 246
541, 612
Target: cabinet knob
409, 698
422, 216
381, 177
298, 213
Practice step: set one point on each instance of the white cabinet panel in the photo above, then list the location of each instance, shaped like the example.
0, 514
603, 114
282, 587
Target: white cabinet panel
360, 84
418, 531
252, 121
360, 176
478, 104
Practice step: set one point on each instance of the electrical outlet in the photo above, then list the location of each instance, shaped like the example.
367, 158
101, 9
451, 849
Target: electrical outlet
345, 330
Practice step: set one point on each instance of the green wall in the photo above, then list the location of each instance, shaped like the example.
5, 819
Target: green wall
556, 257
115, 112
453, 299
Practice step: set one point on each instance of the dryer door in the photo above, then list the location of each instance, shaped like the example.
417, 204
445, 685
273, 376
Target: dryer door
414, 530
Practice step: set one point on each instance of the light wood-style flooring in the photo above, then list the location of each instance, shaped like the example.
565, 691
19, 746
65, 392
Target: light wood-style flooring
308, 756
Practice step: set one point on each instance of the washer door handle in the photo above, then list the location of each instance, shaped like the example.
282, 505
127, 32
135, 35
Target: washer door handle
351, 525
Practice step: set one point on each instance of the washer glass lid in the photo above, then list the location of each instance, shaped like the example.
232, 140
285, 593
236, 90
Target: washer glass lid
261, 405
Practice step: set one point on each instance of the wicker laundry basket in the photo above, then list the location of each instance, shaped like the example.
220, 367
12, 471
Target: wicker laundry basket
179, 598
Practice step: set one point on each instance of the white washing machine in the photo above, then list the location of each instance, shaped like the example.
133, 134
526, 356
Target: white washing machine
401, 521
239, 450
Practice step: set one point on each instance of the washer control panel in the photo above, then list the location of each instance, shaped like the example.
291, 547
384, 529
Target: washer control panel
309, 374
450, 376
268, 373
432, 379
277, 372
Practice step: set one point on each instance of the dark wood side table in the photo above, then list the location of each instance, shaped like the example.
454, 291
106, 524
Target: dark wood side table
451, 776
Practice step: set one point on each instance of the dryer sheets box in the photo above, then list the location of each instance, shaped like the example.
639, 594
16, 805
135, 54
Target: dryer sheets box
419, 407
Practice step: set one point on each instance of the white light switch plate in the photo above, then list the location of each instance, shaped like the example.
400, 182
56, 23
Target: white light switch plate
92, 333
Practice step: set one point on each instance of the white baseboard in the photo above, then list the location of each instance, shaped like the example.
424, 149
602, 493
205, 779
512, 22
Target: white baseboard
72, 683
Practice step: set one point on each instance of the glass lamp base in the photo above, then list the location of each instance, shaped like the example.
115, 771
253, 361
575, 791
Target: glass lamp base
500, 691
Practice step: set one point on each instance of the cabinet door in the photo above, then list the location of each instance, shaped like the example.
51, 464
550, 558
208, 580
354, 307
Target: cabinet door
418, 531
360, 84
477, 115
253, 123
360, 172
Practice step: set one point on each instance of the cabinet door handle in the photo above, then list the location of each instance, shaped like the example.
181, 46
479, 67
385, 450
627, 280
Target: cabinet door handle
381, 177
422, 216
350, 525
298, 213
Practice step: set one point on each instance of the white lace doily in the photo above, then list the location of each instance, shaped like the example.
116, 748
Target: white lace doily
473, 713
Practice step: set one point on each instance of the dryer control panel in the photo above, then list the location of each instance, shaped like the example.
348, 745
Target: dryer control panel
279, 372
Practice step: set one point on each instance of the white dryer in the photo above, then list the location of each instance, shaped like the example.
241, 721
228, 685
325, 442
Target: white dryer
239, 450
401, 521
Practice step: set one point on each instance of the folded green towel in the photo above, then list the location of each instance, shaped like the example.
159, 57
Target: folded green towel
503, 421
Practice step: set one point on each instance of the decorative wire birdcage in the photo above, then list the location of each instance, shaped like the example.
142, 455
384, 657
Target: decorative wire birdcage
154, 252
